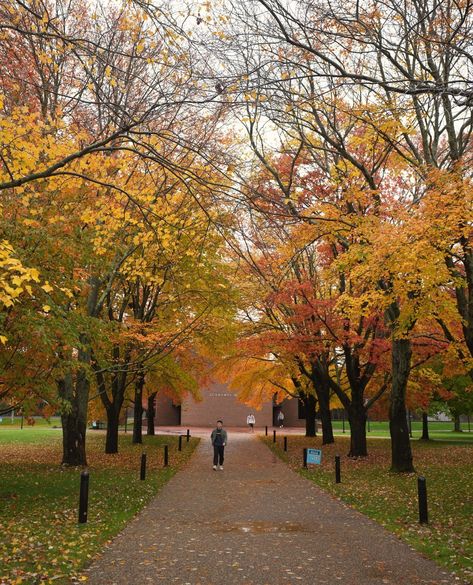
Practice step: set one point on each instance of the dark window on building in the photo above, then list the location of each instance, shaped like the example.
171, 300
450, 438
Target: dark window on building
300, 409
178, 411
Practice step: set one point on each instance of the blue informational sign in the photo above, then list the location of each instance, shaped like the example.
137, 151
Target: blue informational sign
314, 456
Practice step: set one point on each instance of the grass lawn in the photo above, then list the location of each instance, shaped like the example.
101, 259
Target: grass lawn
40, 539
53, 422
391, 499
438, 430
39, 421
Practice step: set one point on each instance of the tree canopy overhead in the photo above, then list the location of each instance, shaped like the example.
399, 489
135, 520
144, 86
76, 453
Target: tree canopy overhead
283, 187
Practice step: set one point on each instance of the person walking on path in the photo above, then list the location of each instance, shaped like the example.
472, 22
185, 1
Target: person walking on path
219, 440
250, 421
281, 419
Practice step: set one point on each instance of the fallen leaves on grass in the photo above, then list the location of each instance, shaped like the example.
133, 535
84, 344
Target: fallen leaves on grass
40, 539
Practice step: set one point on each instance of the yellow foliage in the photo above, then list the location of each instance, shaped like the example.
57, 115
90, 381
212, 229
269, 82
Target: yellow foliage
14, 277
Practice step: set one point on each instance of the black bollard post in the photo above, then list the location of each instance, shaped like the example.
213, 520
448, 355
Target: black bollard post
369, 425
274, 436
343, 422
143, 466
188, 434
266, 430
83, 497
338, 477
126, 420
304, 458
422, 493
180, 443
166, 456
285, 443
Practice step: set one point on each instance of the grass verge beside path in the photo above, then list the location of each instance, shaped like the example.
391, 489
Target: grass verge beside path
40, 539
391, 499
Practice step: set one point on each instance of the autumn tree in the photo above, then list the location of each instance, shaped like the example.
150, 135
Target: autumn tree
414, 62
350, 136
337, 343
94, 94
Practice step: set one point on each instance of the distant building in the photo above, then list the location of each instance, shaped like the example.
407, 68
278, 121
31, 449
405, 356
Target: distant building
219, 402
439, 416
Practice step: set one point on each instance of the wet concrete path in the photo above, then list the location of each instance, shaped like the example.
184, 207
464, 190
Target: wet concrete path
255, 523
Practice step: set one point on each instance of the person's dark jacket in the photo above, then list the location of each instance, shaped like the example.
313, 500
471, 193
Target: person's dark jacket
224, 436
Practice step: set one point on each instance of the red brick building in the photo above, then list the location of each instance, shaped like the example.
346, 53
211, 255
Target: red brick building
218, 402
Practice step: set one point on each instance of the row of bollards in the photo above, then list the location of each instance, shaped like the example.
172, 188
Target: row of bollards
143, 462
187, 435
274, 438
421, 481
421, 485
84, 479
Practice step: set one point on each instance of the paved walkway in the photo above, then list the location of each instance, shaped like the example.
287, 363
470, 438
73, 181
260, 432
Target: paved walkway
255, 523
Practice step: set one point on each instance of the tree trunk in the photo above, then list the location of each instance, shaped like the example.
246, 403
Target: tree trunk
138, 410
75, 393
457, 424
323, 396
357, 419
425, 427
401, 453
321, 384
151, 413
113, 422
73, 442
74, 425
113, 403
310, 404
